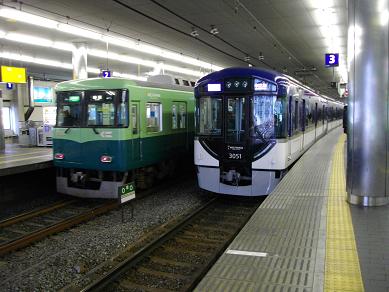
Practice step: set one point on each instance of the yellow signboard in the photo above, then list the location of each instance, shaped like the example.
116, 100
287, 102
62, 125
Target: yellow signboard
13, 74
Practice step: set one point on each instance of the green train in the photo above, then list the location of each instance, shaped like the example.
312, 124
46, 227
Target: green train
112, 131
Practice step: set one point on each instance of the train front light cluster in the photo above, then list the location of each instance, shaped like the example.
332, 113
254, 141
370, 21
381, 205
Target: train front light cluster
59, 156
106, 159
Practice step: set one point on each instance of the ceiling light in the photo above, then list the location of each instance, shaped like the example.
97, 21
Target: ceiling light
28, 39
58, 64
118, 41
27, 17
194, 32
214, 30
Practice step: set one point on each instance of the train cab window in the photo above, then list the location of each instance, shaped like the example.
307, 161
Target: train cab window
69, 109
262, 124
235, 119
107, 108
153, 117
209, 116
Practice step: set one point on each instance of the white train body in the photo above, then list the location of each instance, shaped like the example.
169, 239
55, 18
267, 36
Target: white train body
247, 138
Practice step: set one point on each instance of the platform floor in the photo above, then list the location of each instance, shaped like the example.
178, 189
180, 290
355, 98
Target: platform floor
306, 237
15, 159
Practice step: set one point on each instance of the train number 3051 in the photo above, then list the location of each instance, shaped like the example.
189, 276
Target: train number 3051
234, 156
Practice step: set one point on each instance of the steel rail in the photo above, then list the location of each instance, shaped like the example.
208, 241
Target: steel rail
117, 272
56, 227
36, 212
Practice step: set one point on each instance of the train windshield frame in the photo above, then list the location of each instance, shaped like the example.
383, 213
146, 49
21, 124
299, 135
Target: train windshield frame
69, 113
93, 109
209, 115
260, 116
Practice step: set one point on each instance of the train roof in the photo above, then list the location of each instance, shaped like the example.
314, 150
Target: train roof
271, 75
113, 83
245, 71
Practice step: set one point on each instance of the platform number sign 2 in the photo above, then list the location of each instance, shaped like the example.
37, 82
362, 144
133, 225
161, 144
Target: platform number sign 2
332, 60
106, 73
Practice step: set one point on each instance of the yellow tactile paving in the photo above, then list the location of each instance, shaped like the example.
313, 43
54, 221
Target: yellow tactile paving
342, 271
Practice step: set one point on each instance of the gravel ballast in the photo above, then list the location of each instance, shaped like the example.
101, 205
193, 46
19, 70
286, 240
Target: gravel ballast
63, 258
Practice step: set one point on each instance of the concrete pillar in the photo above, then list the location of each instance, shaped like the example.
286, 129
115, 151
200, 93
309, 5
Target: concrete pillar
2, 140
368, 138
80, 60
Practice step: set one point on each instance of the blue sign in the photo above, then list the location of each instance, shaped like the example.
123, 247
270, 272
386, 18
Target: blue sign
332, 60
10, 85
106, 74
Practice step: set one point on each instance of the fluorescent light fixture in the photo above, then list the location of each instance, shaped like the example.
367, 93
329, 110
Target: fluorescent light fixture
79, 31
38, 41
86, 33
58, 64
216, 87
29, 18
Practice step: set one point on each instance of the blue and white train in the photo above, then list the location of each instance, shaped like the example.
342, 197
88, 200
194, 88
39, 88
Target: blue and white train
251, 125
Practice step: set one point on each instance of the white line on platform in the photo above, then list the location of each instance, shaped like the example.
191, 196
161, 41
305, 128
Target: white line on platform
27, 158
248, 253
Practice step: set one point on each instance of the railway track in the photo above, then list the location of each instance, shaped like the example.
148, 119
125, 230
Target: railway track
179, 257
23, 229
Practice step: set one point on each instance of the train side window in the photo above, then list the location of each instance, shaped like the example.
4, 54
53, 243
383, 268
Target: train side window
174, 116
179, 115
302, 116
182, 115
153, 117
324, 117
134, 119
296, 115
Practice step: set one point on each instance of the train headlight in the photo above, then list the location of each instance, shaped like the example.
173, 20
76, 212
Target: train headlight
106, 159
59, 156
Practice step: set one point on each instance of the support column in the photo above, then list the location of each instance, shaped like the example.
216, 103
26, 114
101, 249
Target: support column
2, 139
80, 60
368, 137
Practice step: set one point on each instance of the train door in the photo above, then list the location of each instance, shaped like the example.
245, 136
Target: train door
135, 128
235, 165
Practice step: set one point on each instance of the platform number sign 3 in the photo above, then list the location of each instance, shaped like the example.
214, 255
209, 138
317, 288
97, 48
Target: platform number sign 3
332, 60
106, 73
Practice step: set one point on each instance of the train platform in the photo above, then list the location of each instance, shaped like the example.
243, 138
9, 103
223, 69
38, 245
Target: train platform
306, 237
16, 159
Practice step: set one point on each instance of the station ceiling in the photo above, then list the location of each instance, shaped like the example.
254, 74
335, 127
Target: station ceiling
291, 35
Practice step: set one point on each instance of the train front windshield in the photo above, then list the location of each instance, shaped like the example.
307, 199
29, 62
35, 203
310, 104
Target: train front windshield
261, 117
92, 108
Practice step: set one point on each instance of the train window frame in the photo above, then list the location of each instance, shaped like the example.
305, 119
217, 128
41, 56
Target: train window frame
215, 131
179, 115
158, 127
120, 101
265, 116
61, 112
